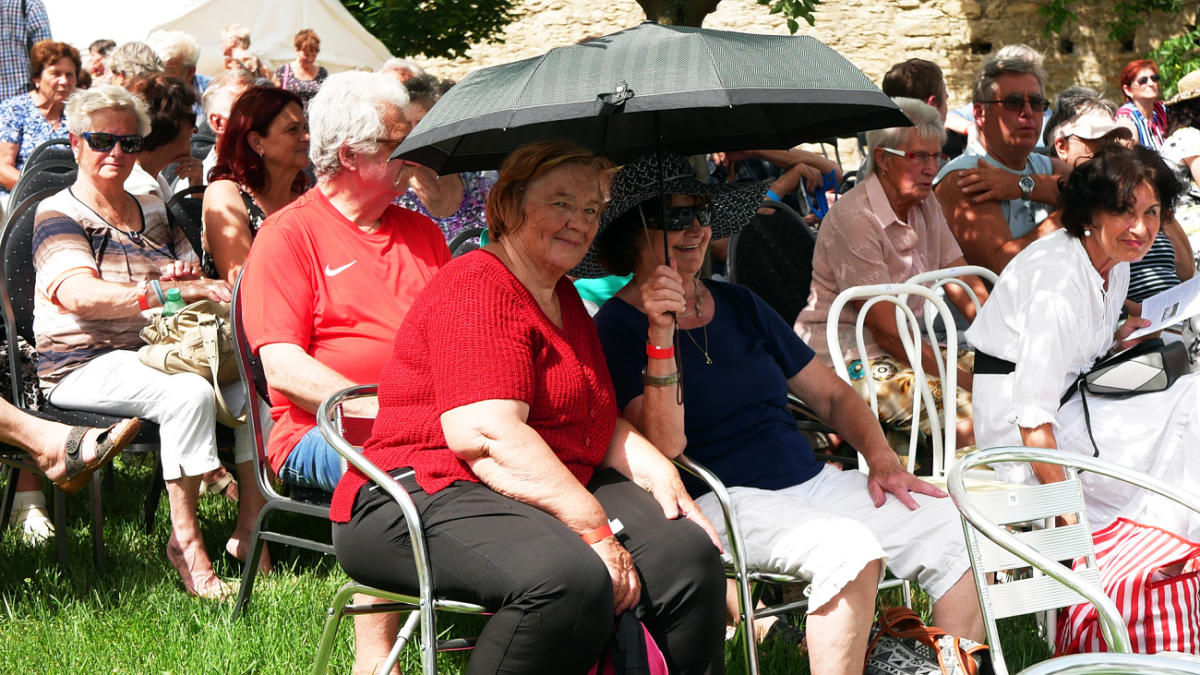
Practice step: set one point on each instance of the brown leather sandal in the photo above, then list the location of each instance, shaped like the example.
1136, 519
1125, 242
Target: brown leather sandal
110, 442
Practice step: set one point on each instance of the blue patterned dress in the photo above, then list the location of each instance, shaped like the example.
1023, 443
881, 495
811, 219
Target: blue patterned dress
22, 124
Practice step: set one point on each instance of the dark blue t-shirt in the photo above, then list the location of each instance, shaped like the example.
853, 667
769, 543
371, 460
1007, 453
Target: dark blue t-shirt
735, 410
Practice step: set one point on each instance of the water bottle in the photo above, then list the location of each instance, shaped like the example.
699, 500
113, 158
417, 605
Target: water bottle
174, 302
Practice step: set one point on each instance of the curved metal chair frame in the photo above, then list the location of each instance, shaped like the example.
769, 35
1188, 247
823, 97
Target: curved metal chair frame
951, 276
1107, 663
423, 605
1054, 585
737, 569
942, 431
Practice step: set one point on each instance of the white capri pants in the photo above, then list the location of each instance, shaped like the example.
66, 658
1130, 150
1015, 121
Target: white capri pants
183, 405
826, 530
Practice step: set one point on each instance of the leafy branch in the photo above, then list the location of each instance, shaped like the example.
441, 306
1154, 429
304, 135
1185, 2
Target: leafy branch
434, 28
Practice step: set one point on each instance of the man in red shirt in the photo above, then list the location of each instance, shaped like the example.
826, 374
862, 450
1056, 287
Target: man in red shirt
329, 280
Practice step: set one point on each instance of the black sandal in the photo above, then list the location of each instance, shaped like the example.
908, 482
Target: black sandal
110, 442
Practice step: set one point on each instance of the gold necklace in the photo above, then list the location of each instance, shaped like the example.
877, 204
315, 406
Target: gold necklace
688, 333
707, 358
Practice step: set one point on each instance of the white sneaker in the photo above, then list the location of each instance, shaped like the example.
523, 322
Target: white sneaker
29, 514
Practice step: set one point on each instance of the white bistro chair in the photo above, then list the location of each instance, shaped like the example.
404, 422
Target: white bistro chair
943, 427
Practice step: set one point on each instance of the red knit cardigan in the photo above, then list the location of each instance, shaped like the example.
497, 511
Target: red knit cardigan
475, 334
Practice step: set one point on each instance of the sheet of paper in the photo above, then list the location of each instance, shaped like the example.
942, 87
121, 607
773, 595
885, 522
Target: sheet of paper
1170, 307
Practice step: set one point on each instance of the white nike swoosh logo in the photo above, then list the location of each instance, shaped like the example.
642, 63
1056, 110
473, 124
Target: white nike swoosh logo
334, 271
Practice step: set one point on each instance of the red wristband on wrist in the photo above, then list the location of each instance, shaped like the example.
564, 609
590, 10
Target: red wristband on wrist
656, 352
143, 303
599, 534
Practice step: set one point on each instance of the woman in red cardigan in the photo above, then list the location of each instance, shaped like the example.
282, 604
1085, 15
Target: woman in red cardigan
497, 414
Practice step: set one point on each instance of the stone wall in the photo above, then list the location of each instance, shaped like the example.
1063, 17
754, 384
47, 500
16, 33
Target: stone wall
873, 34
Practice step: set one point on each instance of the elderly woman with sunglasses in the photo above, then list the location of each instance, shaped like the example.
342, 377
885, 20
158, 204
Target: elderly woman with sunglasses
105, 260
737, 362
1140, 84
885, 230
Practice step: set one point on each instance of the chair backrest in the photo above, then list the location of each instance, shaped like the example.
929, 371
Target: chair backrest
55, 149
938, 280
772, 256
17, 280
466, 241
201, 145
49, 174
943, 430
1049, 584
254, 381
185, 210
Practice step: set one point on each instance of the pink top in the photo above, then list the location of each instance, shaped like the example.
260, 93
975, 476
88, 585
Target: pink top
861, 242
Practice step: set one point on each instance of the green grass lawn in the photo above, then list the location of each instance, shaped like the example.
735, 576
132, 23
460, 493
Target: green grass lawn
133, 616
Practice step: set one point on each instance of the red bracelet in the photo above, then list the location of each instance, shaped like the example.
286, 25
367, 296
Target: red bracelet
656, 352
599, 534
143, 303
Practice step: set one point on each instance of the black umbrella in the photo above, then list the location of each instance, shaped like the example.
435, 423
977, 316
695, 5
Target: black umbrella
652, 87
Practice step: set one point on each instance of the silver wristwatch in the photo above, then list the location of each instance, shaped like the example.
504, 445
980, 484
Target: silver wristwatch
1026, 185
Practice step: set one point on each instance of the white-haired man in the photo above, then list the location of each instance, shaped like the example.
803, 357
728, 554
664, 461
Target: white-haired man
402, 69
997, 194
179, 53
339, 256
218, 100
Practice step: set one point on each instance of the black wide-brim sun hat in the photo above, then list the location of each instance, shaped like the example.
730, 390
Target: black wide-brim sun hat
732, 204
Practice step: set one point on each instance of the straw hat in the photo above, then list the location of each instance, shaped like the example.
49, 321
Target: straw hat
1189, 88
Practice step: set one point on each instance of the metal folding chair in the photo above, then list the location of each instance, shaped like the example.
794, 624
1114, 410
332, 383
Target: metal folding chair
421, 607
1033, 579
255, 383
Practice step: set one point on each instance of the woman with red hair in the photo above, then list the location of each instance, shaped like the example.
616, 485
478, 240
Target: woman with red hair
260, 162
1140, 82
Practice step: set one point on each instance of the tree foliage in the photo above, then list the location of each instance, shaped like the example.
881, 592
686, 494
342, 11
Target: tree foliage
692, 12
433, 28
1177, 57
1127, 15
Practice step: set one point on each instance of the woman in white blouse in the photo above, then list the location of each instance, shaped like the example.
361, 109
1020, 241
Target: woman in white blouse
1054, 313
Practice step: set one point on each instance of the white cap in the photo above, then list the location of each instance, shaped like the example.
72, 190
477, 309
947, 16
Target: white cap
1091, 125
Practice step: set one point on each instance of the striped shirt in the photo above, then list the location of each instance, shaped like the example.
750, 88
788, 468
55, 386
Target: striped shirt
70, 239
1155, 272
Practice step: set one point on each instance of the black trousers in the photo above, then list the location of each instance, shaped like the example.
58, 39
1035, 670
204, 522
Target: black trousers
550, 593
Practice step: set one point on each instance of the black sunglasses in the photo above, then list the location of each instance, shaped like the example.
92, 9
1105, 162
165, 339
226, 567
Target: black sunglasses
1148, 78
679, 218
1015, 103
104, 142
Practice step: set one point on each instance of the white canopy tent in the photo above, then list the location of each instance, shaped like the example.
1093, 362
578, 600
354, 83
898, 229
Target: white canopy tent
273, 24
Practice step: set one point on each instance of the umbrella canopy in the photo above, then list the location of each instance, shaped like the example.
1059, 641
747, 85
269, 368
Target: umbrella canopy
682, 89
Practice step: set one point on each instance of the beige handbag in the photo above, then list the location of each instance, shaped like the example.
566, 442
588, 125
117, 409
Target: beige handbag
198, 339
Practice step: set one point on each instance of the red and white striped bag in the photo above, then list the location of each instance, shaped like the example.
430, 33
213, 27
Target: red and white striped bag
1161, 612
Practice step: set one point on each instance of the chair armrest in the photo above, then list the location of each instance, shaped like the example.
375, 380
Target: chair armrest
327, 415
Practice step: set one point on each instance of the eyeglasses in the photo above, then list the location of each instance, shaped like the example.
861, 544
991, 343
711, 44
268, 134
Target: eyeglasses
922, 157
1015, 103
680, 218
1148, 78
104, 142
391, 143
